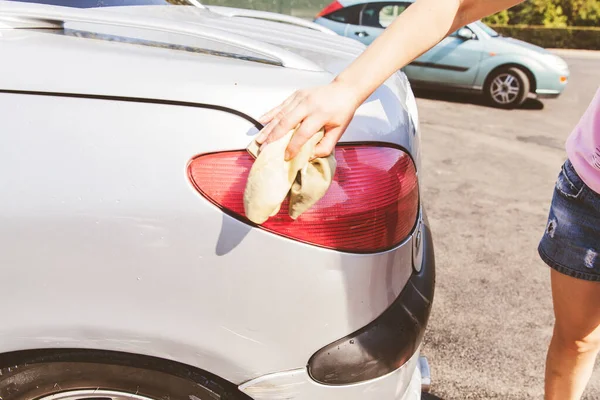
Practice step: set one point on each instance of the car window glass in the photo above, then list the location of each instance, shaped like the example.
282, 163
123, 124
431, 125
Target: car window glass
487, 29
348, 15
381, 15
102, 3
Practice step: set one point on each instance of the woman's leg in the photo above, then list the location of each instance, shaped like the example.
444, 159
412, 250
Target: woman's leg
576, 339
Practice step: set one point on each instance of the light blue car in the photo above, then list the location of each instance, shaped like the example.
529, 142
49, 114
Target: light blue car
475, 58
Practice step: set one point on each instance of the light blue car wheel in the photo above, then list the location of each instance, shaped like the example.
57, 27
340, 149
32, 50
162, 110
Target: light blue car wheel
507, 87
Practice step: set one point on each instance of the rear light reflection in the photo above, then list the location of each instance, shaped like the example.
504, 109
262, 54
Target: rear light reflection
331, 8
371, 206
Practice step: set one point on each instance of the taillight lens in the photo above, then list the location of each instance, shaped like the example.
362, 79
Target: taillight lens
333, 7
371, 206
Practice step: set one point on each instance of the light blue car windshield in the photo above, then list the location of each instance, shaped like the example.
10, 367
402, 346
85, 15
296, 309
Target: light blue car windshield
487, 29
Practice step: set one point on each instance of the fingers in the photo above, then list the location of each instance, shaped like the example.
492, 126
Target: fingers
307, 129
266, 118
288, 121
327, 144
283, 110
266, 131
309, 110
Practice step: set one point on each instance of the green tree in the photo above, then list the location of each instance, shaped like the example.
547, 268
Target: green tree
550, 13
501, 18
583, 12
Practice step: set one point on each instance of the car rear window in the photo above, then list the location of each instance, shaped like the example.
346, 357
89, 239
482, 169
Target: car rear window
381, 15
102, 3
348, 15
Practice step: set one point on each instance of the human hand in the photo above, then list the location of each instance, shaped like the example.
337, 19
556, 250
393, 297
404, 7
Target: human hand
330, 107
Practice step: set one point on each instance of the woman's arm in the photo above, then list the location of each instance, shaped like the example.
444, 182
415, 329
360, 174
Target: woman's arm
415, 31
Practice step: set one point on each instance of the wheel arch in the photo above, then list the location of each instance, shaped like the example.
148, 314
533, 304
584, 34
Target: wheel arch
207, 379
201, 353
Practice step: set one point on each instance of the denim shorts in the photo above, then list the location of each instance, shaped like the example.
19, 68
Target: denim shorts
571, 242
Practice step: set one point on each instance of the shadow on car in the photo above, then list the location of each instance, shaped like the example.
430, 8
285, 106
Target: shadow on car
468, 98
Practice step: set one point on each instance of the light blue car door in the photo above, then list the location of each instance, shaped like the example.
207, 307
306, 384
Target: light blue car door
373, 19
454, 61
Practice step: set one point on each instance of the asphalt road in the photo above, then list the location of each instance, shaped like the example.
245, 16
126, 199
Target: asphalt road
488, 177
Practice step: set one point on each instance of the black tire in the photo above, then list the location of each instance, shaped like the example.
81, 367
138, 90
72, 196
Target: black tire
507, 88
37, 375
429, 396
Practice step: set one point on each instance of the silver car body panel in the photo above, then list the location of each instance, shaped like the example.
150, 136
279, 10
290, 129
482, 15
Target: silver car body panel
329, 52
269, 16
119, 252
12, 15
106, 245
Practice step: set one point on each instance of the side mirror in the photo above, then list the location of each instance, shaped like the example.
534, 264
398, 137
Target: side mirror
465, 34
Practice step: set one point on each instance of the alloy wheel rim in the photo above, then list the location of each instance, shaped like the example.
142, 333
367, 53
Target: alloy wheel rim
94, 394
505, 88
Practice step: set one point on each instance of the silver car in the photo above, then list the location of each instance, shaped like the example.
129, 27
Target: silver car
129, 271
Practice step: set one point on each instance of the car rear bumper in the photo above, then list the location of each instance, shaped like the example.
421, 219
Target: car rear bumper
390, 340
379, 361
402, 384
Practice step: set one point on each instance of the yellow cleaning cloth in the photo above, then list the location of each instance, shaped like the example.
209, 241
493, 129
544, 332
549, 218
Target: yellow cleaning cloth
271, 178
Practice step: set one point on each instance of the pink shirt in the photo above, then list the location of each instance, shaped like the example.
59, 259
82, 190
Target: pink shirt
583, 146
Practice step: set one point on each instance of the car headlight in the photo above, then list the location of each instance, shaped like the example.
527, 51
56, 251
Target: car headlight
556, 62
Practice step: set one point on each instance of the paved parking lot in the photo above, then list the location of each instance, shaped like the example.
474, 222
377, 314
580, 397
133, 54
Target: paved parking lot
488, 178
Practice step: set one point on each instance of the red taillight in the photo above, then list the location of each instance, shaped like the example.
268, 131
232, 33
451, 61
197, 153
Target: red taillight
333, 7
371, 206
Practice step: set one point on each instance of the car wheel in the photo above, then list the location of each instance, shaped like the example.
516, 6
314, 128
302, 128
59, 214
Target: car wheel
81, 375
507, 88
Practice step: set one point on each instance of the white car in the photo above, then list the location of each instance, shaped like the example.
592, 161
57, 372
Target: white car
129, 271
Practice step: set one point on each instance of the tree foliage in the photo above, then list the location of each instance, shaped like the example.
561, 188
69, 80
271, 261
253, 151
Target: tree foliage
550, 13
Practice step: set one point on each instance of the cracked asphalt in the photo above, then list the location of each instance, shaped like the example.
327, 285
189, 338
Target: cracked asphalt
488, 178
